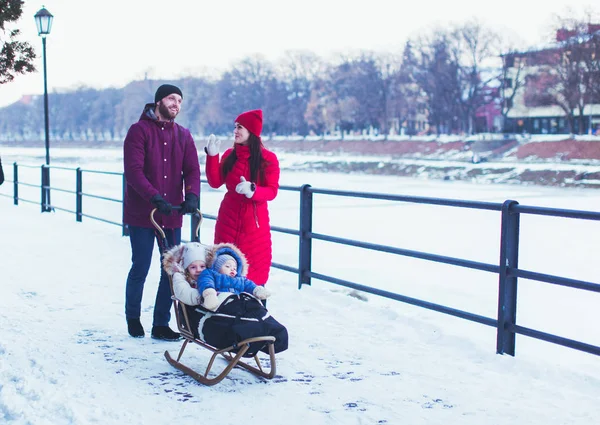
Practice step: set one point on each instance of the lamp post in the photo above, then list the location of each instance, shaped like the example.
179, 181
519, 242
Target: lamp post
43, 21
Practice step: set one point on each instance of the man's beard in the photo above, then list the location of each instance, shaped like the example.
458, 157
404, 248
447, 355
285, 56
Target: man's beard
166, 112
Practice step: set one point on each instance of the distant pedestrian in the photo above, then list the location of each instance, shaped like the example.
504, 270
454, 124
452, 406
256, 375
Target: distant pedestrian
160, 162
1, 172
250, 173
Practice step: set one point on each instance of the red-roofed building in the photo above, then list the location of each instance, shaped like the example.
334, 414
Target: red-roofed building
560, 85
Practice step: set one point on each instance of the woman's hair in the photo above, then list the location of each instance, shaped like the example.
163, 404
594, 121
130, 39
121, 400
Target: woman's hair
190, 279
257, 162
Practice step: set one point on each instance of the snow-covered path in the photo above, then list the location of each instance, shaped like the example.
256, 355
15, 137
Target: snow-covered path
66, 358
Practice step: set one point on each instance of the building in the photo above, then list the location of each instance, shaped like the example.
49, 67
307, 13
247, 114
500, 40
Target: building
488, 117
555, 89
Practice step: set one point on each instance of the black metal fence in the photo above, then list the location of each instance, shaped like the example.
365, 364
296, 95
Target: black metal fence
507, 267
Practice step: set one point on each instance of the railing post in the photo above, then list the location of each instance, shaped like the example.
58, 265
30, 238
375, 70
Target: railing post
507, 285
125, 227
79, 195
48, 201
44, 185
194, 220
15, 184
305, 245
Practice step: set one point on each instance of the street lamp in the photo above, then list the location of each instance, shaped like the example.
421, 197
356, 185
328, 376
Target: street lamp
43, 21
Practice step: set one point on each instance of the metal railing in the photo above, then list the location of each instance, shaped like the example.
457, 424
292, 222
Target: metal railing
507, 267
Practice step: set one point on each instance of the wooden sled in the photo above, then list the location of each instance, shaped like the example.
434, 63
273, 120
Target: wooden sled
232, 355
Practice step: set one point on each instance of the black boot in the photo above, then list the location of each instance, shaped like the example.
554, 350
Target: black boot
135, 328
165, 333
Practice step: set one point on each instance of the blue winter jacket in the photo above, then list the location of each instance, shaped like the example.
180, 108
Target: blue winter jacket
210, 278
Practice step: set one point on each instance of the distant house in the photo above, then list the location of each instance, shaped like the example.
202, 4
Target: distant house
488, 117
555, 93
415, 118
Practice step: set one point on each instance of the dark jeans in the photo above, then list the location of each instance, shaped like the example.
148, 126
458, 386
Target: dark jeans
142, 244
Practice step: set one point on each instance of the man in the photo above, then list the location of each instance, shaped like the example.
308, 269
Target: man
160, 159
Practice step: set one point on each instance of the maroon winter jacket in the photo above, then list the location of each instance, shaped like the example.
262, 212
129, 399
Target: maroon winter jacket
158, 157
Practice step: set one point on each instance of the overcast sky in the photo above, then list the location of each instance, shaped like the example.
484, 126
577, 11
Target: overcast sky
113, 42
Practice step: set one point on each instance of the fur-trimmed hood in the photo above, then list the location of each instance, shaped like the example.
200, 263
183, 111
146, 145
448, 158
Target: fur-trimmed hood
227, 248
173, 259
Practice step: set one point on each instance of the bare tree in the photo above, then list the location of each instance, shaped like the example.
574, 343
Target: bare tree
356, 84
571, 91
407, 95
473, 49
512, 80
316, 112
389, 66
245, 86
438, 77
592, 64
298, 71
572, 76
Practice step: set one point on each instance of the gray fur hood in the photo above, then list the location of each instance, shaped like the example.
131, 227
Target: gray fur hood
173, 259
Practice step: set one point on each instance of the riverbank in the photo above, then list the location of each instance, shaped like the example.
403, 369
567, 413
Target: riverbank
561, 161
572, 162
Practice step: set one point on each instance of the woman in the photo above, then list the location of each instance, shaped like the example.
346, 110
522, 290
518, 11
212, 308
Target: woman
251, 175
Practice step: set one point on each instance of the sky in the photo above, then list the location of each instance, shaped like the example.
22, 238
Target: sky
114, 42
66, 358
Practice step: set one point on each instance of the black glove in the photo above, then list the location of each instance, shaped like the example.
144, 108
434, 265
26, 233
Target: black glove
190, 205
161, 205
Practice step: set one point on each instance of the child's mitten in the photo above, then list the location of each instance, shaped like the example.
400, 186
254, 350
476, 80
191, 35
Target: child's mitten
261, 292
210, 299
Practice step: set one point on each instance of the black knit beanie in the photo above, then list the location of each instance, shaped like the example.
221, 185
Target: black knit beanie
165, 90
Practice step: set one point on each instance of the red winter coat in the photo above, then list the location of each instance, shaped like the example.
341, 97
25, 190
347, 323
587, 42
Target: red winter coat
242, 221
158, 157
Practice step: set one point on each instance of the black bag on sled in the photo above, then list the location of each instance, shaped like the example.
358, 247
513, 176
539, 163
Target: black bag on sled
239, 317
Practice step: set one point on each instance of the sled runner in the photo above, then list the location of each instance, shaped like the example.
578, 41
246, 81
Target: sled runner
187, 320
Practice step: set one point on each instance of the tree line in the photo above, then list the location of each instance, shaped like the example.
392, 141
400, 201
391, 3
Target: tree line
443, 77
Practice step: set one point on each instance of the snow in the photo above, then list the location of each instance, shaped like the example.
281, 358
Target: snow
66, 358
443, 138
587, 138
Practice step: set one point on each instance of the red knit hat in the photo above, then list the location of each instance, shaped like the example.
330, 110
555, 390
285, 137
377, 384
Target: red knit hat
252, 120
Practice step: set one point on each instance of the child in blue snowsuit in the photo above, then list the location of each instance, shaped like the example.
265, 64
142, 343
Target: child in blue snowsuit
226, 274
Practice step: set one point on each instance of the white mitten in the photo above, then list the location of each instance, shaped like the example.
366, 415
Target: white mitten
245, 188
261, 292
212, 146
210, 299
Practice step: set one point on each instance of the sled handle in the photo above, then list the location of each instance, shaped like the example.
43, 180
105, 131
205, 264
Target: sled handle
162, 232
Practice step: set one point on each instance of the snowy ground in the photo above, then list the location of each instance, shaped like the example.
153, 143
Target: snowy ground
66, 358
